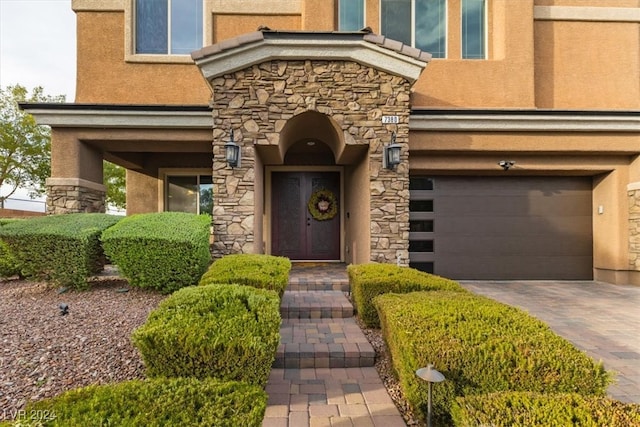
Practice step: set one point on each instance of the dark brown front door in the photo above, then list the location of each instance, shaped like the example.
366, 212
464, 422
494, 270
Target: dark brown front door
295, 233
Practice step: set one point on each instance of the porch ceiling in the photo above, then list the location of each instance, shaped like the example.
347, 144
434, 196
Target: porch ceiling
362, 47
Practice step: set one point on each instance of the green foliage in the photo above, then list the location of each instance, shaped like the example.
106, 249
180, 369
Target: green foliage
481, 346
228, 332
9, 265
370, 280
115, 179
156, 403
164, 251
63, 249
259, 271
522, 409
25, 147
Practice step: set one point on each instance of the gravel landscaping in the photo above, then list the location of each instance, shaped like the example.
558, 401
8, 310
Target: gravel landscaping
43, 353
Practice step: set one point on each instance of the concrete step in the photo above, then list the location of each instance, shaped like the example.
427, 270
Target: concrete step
315, 305
323, 343
320, 284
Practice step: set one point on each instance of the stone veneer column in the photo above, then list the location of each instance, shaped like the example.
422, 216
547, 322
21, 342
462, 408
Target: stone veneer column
633, 193
74, 195
258, 101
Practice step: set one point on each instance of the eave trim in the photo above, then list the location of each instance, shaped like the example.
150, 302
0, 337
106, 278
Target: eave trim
522, 122
125, 118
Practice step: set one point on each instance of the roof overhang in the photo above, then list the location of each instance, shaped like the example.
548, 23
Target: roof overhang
63, 115
362, 47
524, 121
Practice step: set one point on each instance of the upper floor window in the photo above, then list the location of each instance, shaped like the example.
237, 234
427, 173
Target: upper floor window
473, 29
168, 26
350, 15
423, 24
419, 23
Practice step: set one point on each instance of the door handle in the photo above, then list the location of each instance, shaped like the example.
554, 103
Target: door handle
308, 222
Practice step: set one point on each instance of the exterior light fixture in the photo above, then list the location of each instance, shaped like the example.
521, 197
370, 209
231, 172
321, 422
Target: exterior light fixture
232, 152
391, 153
431, 376
506, 164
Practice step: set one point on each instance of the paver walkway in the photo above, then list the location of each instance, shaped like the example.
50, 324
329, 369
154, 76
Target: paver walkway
324, 372
599, 318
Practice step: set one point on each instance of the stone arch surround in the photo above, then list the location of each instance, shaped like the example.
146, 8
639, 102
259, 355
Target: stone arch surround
258, 102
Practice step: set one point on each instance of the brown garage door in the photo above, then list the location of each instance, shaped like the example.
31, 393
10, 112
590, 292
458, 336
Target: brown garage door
502, 228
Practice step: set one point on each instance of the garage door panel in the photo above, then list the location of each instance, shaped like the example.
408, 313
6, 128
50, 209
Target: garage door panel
507, 246
511, 226
514, 268
505, 205
503, 228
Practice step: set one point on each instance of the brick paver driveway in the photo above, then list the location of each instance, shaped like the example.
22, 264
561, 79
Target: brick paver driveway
599, 318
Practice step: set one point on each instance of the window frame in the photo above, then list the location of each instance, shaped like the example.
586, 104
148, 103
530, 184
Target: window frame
168, 54
163, 185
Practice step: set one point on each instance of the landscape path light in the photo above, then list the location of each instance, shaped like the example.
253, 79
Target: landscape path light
431, 376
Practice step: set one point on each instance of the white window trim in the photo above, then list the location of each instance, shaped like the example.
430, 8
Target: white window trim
164, 173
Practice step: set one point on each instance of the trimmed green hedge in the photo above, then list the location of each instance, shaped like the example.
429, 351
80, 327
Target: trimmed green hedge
64, 249
259, 271
481, 346
522, 409
228, 332
158, 402
9, 265
370, 280
164, 251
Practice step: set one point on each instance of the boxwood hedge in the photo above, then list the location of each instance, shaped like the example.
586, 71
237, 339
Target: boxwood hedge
9, 265
64, 249
259, 271
164, 251
481, 346
228, 332
370, 280
524, 409
157, 402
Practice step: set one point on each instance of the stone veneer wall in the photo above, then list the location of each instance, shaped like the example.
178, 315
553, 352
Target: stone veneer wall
634, 229
258, 101
72, 195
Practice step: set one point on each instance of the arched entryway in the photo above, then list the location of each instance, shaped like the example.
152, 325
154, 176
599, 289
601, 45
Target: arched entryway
306, 192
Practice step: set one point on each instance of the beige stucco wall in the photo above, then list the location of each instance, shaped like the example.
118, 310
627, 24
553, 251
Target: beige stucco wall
71, 158
357, 213
103, 75
142, 193
532, 62
226, 26
572, 56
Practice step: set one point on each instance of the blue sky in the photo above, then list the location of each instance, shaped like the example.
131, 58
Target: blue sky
38, 45
37, 48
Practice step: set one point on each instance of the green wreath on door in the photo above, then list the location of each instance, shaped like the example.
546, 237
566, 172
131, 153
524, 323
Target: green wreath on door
323, 205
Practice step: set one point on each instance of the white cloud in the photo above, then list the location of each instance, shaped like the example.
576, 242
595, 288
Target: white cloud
38, 45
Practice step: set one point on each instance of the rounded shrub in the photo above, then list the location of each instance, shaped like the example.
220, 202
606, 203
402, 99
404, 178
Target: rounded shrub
228, 332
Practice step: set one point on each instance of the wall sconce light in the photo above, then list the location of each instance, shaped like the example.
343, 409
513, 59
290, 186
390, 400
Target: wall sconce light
232, 152
506, 164
391, 153
431, 376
